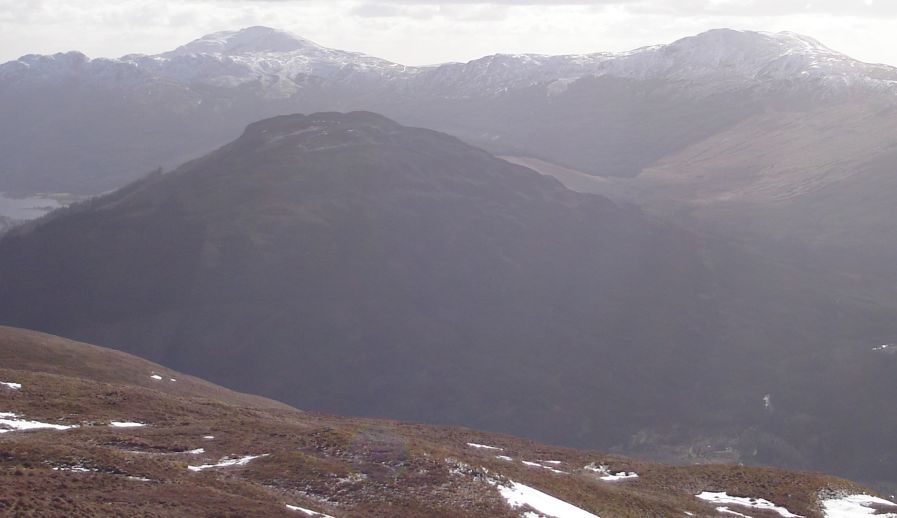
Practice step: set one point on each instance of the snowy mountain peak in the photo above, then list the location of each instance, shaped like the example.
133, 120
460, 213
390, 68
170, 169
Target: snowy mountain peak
740, 40
725, 47
279, 65
722, 56
251, 40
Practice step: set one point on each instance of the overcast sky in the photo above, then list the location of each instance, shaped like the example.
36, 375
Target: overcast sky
418, 32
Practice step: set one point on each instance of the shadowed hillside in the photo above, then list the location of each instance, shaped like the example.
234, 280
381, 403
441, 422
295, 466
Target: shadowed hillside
345, 263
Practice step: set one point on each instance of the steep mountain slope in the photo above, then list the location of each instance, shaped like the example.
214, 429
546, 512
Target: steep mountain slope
348, 264
110, 434
810, 187
606, 114
820, 179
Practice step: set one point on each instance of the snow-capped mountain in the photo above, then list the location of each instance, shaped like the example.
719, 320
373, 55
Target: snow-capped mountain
752, 56
719, 58
275, 58
34, 69
191, 99
282, 62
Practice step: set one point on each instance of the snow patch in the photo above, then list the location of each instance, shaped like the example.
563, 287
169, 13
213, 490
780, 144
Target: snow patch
197, 451
156, 377
519, 495
610, 476
74, 469
125, 424
855, 506
755, 503
208, 437
14, 386
226, 462
484, 447
10, 422
726, 510
309, 512
622, 475
504, 457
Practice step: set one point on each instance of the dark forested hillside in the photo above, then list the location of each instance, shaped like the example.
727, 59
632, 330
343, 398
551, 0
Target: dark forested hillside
345, 263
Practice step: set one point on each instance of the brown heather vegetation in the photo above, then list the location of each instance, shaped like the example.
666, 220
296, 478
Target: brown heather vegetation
340, 466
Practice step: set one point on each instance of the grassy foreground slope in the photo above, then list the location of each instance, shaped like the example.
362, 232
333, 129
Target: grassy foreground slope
202, 450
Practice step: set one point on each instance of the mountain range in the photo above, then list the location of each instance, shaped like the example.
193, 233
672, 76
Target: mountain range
770, 138
685, 252
606, 114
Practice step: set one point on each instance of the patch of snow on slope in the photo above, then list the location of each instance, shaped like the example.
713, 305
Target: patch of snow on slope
726, 510
10, 422
307, 511
756, 503
14, 386
519, 495
484, 447
504, 457
126, 424
611, 476
855, 506
622, 475
74, 469
226, 462
156, 377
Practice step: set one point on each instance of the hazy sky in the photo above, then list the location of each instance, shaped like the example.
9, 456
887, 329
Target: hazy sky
428, 31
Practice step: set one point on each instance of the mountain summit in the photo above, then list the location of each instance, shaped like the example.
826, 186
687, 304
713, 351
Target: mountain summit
250, 40
344, 262
747, 55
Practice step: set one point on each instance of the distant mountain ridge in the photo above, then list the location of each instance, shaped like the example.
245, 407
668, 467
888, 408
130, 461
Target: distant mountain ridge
230, 58
606, 114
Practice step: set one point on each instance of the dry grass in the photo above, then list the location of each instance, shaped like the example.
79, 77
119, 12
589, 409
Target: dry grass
340, 466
